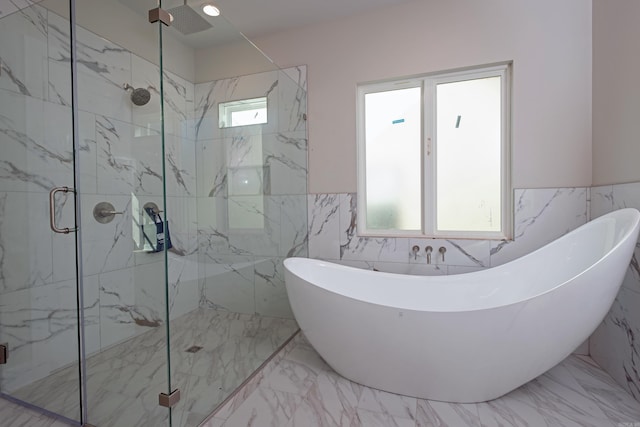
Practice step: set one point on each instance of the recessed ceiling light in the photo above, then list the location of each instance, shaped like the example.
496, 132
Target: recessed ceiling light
210, 10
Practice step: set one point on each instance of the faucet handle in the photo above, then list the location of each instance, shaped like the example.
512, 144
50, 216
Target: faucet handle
442, 251
415, 249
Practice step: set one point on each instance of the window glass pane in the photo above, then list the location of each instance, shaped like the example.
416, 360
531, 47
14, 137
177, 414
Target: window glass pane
468, 138
393, 159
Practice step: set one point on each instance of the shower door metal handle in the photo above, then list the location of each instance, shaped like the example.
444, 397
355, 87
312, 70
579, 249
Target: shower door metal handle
52, 210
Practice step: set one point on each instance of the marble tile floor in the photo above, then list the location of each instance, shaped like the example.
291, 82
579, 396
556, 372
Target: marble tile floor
300, 390
14, 415
124, 381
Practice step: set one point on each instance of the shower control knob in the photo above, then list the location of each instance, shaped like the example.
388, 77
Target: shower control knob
104, 212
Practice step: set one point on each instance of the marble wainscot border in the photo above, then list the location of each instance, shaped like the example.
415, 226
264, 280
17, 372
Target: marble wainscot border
614, 345
540, 216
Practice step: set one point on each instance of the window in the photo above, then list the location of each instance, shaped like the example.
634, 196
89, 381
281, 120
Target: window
242, 113
433, 155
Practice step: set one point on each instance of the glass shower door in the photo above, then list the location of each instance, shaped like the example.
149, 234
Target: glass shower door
122, 208
38, 288
106, 364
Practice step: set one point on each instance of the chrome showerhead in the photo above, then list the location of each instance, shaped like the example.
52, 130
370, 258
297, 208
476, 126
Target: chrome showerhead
188, 21
139, 96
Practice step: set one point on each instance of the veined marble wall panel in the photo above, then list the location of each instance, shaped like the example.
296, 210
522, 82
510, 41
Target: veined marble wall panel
10, 6
117, 307
40, 325
183, 225
23, 52
103, 69
133, 300
324, 226
540, 216
228, 282
211, 168
279, 229
37, 147
7, 7
613, 345
292, 94
601, 200
269, 164
285, 156
180, 167
25, 241
88, 152
212, 235
294, 233
253, 225
129, 158
270, 292
184, 290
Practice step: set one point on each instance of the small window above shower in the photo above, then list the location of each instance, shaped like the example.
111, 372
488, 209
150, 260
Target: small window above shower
243, 112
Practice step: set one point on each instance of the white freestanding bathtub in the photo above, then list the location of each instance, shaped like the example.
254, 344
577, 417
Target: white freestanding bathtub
469, 337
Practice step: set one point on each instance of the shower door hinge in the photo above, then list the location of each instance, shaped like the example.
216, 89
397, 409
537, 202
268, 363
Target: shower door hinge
161, 15
4, 353
169, 400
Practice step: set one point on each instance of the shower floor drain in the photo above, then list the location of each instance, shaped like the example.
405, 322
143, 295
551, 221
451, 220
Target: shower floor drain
193, 349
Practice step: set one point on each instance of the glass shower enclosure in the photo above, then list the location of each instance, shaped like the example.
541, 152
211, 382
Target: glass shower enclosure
152, 181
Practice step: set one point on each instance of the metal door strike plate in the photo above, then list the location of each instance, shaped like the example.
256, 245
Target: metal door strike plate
169, 400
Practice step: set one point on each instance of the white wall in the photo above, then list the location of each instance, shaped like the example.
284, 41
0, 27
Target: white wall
616, 92
549, 42
239, 58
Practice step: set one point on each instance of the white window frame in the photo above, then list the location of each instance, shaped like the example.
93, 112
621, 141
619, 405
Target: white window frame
428, 84
227, 108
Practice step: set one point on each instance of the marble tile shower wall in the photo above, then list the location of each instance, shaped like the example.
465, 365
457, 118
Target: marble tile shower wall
8, 7
615, 345
120, 162
252, 192
540, 216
